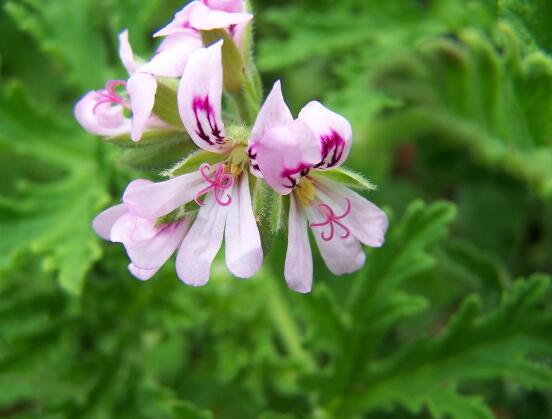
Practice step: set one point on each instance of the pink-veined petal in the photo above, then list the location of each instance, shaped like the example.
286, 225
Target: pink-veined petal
298, 265
141, 88
366, 221
99, 117
157, 199
104, 221
343, 255
244, 254
200, 96
126, 54
333, 131
154, 252
202, 17
202, 243
170, 62
142, 274
178, 39
285, 154
230, 6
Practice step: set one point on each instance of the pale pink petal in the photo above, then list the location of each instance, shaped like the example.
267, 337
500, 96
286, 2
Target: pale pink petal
298, 265
158, 199
122, 229
366, 222
104, 221
170, 62
202, 243
100, 118
202, 17
200, 96
154, 252
126, 54
343, 255
285, 154
244, 254
231, 6
333, 131
142, 274
179, 39
141, 88
273, 113
180, 23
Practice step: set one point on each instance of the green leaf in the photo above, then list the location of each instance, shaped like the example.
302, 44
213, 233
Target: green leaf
49, 215
186, 410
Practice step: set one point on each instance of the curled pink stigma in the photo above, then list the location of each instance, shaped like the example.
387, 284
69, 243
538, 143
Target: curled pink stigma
218, 183
332, 220
110, 95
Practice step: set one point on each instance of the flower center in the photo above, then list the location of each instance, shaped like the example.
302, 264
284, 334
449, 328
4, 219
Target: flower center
110, 95
304, 191
218, 183
332, 220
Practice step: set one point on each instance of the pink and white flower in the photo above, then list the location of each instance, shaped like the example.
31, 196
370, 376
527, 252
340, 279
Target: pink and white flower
221, 191
291, 154
210, 14
148, 244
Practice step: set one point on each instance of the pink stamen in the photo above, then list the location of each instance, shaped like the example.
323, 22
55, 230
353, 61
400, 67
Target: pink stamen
110, 95
220, 182
332, 219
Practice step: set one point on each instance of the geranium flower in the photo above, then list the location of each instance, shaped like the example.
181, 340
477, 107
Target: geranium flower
149, 244
221, 190
291, 155
210, 14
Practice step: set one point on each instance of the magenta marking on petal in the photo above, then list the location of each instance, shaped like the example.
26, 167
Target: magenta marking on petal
220, 182
295, 174
252, 158
110, 96
212, 134
333, 146
332, 219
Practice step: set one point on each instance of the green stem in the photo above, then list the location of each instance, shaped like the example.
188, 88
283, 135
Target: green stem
286, 326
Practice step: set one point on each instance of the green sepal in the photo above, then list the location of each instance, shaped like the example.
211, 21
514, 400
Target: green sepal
187, 210
232, 60
166, 104
192, 162
261, 208
150, 139
158, 155
346, 177
277, 213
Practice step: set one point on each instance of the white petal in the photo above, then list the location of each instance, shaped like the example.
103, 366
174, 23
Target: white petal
244, 254
104, 221
332, 130
203, 18
141, 274
141, 88
200, 96
126, 54
170, 62
366, 221
298, 266
202, 243
157, 199
154, 252
342, 255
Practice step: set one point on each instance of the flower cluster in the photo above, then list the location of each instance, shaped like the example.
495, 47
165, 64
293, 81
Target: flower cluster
209, 196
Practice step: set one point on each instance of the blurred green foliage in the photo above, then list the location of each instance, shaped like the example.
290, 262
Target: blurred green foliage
451, 104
